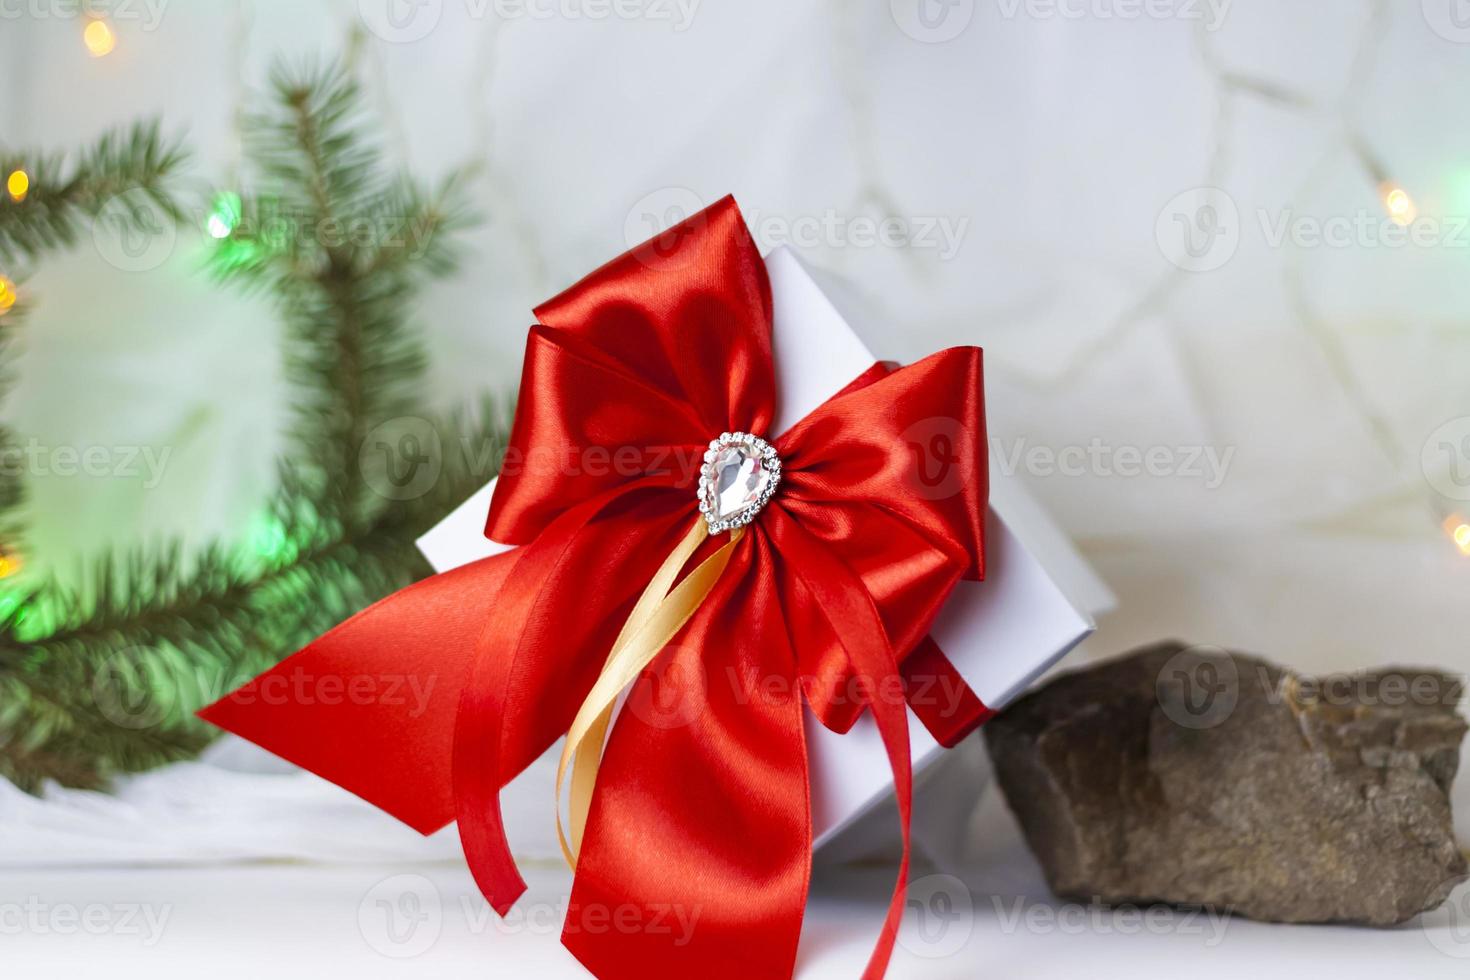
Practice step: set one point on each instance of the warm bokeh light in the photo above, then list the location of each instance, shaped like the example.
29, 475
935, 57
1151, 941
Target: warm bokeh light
9, 565
7, 295
99, 38
1458, 528
18, 185
1400, 205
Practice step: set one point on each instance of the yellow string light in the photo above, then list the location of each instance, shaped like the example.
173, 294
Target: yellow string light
1458, 528
9, 565
99, 38
1400, 206
18, 185
8, 295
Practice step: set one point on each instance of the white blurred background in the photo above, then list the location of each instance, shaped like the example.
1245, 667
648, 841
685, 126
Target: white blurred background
1226, 243
1015, 185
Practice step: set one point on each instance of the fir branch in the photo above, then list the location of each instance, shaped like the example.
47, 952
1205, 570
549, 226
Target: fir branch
343, 244
12, 488
111, 684
108, 680
124, 174
127, 174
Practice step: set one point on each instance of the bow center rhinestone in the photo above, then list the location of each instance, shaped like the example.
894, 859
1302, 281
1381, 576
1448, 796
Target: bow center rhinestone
739, 475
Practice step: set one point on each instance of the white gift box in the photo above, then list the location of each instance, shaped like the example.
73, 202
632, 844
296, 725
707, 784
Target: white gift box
1000, 634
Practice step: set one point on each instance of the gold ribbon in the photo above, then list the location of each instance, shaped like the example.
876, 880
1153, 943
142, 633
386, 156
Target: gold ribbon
660, 612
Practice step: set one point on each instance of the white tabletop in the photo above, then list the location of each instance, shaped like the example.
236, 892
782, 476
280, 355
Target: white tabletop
425, 919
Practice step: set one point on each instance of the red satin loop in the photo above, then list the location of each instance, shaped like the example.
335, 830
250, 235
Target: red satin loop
697, 850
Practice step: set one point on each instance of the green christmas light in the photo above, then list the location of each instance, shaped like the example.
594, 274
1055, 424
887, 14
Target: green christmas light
268, 541
224, 216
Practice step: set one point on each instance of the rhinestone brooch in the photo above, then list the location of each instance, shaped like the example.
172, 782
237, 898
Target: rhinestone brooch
739, 475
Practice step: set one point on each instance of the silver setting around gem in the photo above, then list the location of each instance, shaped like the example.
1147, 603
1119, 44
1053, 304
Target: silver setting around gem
739, 476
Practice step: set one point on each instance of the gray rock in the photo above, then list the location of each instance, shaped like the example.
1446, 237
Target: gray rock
1194, 776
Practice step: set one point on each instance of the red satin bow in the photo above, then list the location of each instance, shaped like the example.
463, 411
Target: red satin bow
702, 805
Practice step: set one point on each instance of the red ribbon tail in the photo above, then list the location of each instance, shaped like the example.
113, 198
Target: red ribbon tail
478, 778
697, 854
523, 691
854, 618
486, 710
893, 726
